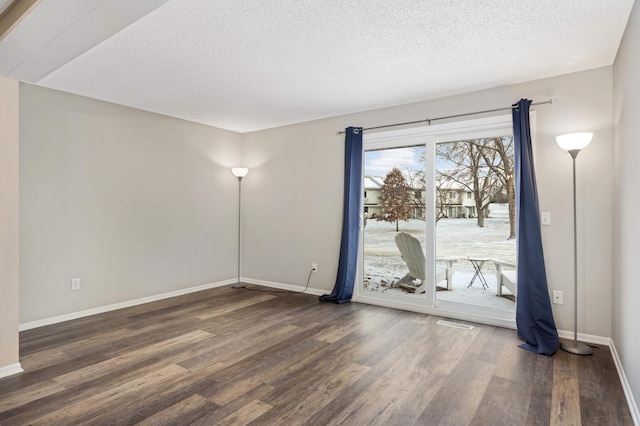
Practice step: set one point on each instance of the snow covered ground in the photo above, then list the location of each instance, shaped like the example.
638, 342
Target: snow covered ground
460, 238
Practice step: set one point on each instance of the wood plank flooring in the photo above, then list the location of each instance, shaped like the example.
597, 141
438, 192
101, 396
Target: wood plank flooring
227, 356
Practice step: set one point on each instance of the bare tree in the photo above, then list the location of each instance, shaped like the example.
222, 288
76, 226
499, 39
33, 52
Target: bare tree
395, 198
498, 155
416, 183
470, 170
444, 197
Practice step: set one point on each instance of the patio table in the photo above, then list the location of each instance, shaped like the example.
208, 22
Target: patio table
478, 263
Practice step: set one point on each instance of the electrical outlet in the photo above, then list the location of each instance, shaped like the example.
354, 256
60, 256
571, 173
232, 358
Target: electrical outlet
314, 267
75, 284
545, 218
557, 297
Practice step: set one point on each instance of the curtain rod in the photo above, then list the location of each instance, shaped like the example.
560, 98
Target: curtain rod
429, 120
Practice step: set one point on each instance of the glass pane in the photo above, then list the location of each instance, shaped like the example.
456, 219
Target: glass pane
394, 206
476, 222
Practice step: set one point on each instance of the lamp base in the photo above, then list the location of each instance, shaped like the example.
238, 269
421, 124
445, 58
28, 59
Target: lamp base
238, 285
577, 348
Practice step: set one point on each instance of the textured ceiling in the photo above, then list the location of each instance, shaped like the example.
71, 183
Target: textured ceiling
246, 65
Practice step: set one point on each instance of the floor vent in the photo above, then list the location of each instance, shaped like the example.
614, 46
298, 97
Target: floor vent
455, 325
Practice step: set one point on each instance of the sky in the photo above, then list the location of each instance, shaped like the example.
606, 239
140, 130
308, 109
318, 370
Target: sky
379, 163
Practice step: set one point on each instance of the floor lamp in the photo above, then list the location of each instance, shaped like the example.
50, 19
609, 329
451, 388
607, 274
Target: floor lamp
573, 143
239, 172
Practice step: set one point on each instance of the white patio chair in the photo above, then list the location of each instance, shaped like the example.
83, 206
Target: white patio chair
413, 256
506, 275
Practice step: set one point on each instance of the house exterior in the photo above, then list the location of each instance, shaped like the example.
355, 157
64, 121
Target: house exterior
372, 187
371, 198
454, 200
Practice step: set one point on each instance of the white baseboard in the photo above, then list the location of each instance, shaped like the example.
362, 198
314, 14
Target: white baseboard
290, 287
121, 305
9, 370
606, 341
633, 407
586, 338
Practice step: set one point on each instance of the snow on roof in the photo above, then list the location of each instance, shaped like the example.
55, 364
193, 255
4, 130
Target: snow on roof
416, 183
377, 182
451, 185
373, 182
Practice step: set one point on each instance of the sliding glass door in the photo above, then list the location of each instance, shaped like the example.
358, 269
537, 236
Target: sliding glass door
438, 228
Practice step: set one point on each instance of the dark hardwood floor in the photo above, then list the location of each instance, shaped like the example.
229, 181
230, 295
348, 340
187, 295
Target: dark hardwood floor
226, 356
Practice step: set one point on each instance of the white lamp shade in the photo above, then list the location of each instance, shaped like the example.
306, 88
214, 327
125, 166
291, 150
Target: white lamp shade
572, 141
239, 171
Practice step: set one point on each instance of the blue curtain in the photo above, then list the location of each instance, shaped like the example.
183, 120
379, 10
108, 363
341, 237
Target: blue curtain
348, 262
534, 318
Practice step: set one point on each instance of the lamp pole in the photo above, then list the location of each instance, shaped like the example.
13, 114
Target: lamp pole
573, 143
239, 172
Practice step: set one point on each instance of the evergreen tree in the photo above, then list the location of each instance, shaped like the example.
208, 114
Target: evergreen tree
395, 198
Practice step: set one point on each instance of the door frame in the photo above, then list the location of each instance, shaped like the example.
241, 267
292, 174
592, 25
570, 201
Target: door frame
429, 136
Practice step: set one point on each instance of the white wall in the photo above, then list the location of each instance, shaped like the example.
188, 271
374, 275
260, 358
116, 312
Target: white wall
8, 225
134, 204
626, 206
293, 202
